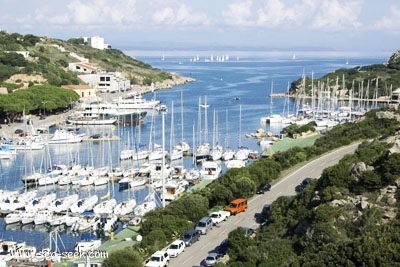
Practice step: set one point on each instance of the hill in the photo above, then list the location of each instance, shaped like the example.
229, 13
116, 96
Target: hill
371, 81
28, 60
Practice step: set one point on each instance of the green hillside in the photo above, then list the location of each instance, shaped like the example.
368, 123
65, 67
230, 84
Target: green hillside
48, 59
377, 80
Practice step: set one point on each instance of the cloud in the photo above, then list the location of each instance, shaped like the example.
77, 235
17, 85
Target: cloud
275, 13
179, 15
334, 15
309, 14
389, 23
239, 13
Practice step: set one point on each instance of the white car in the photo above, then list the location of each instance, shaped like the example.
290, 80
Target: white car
176, 248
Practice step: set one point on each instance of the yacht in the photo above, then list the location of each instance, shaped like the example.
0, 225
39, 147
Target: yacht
62, 136
136, 102
6, 152
87, 245
210, 170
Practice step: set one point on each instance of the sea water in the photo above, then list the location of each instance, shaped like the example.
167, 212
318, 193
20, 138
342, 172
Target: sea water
237, 92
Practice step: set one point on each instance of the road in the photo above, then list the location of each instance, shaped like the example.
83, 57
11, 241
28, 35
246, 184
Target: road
194, 254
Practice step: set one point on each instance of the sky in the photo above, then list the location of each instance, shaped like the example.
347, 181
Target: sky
339, 25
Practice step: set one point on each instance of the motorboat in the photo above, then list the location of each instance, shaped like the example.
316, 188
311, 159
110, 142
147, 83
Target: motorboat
147, 205
13, 217
84, 204
105, 207
33, 178
160, 172
192, 174
27, 217
210, 170
41, 202
17, 201
107, 224
71, 220
136, 102
57, 218
42, 216
125, 207
101, 180
123, 184
86, 223
174, 188
63, 204
137, 181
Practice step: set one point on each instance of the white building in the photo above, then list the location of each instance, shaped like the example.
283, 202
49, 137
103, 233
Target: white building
82, 67
96, 42
106, 82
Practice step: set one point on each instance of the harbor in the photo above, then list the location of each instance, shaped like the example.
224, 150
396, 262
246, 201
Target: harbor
219, 114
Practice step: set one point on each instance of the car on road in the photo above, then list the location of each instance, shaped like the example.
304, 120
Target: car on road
158, 259
18, 131
303, 184
265, 212
263, 188
204, 225
219, 216
95, 136
212, 259
237, 205
222, 248
190, 237
176, 248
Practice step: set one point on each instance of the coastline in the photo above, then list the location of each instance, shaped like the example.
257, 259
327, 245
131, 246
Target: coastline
8, 130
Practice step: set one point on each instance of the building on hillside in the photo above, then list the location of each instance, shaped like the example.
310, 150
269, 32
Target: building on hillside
395, 96
84, 91
96, 42
82, 67
106, 82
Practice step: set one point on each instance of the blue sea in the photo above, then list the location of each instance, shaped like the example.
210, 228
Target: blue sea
237, 91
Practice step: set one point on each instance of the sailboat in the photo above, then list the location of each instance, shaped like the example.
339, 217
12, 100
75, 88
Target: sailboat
272, 118
175, 153
228, 153
182, 145
216, 151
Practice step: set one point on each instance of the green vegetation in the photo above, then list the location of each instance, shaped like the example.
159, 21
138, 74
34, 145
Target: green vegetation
35, 100
363, 81
303, 230
50, 57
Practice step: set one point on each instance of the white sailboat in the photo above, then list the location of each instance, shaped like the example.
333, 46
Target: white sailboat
272, 118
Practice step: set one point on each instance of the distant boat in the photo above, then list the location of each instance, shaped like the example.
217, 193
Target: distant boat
347, 62
62, 136
294, 56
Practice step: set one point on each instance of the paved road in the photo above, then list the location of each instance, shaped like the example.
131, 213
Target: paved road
198, 251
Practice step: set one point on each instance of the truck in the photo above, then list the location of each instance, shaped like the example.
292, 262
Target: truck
219, 216
158, 259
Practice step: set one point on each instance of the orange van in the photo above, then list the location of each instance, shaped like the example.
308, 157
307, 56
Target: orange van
236, 206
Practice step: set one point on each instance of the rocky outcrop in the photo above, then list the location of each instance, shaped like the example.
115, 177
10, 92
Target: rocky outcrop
395, 58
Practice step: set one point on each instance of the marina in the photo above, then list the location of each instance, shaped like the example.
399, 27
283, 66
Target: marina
236, 92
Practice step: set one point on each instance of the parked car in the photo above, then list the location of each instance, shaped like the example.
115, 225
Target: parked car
303, 184
265, 212
263, 188
176, 248
222, 248
219, 216
18, 131
212, 259
204, 225
236, 206
190, 237
95, 136
158, 259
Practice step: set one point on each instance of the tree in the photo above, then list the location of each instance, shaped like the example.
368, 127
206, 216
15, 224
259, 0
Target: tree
125, 257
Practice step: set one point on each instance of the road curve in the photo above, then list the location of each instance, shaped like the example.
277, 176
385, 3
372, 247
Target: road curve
193, 255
